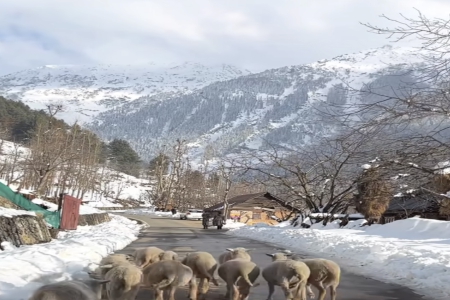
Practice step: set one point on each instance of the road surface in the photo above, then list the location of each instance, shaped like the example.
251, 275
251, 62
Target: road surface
184, 236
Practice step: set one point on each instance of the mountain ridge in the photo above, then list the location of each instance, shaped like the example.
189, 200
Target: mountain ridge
275, 106
86, 90
249, 110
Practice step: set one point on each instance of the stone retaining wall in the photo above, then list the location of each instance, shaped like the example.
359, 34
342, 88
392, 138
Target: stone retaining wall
24, 230
93, 219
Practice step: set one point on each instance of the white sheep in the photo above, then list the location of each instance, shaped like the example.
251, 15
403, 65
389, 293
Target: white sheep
324, 273
281, 272
146, 256
124, 281
203, 265
233, 253
70, 290
166, 275
239, 275
110, 260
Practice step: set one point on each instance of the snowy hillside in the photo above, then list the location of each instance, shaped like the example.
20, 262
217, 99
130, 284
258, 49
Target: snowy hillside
84, 91
112, 189
275, 105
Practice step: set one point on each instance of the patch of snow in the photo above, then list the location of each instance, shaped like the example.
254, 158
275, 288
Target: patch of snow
231, 224
9, 212
414, 252
70, 256
442, 168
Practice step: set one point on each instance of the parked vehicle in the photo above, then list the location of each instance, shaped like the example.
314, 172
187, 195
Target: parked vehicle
192, 214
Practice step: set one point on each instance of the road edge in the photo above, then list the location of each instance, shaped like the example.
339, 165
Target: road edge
140, 221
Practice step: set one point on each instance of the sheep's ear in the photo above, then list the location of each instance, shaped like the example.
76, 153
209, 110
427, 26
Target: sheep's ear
93, 275
103, 281
106, 266
230, 249
268, 254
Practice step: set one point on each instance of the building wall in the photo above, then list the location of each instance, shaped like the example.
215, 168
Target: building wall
253, 216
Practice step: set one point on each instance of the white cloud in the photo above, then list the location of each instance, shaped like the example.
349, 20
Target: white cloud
252, 33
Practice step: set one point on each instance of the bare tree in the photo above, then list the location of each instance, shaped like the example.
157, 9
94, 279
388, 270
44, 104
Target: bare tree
403, 116
320, 178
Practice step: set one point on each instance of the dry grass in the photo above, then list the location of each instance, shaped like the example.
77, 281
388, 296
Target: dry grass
374, 196
8, 204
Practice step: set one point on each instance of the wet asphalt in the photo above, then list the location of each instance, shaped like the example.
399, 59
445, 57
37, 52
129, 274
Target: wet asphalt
183, 236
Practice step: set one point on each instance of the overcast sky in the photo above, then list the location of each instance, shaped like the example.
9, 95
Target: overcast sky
253, 34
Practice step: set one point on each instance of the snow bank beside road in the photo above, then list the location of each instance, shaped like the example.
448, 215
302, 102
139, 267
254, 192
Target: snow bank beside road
413, 252
24, 269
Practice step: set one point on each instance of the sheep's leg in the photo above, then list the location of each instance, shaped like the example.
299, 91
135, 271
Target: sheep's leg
193, 288
333, 292
228, 293
322, 290
301, 291
131, 295
234, 295
284, 284
271, 290
310, 292
172, 291
203, 287
159, 294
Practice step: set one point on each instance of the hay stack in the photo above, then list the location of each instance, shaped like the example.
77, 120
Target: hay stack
444, 209
441, 183
374, 195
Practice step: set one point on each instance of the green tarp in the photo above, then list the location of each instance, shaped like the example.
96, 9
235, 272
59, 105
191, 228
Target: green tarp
52, 217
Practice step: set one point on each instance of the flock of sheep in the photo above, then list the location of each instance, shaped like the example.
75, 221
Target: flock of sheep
120, 276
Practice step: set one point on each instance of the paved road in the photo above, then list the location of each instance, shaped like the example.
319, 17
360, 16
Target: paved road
184, 236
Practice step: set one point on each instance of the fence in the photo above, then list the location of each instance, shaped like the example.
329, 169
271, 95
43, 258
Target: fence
51, 217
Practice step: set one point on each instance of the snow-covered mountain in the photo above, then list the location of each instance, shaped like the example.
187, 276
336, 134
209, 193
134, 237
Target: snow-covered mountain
275, 105
220, 109
84, 91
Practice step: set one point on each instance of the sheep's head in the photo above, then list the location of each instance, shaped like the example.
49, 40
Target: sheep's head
238, 248
279, 256
95, 285
239, 253
129, 257
168, 255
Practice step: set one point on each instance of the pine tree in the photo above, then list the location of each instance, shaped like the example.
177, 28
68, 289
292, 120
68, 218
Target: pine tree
123, 157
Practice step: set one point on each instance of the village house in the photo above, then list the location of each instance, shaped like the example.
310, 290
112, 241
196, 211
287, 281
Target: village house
419, 203
256, 208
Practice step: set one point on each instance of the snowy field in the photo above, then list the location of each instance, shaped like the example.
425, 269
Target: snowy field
413, 252
24, 269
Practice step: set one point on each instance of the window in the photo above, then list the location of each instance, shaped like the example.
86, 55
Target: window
256, 216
